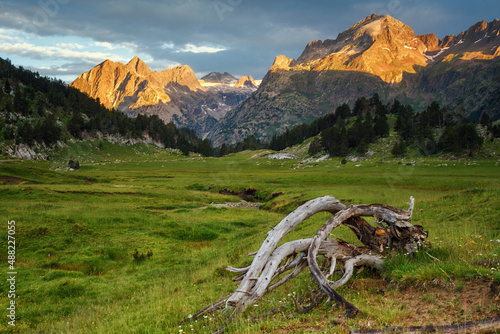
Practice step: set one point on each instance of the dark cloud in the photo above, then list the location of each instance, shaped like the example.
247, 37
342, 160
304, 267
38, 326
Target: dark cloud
251, 33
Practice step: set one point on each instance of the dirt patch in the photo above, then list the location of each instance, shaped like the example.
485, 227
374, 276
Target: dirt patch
247, 194
82, 192
4, 179
473, 304
474, 300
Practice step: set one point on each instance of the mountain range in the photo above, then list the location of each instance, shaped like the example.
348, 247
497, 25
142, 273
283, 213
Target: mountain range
173, 94
377, 55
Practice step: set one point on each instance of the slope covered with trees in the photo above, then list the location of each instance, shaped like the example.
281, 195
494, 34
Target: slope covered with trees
347, 130
36, 109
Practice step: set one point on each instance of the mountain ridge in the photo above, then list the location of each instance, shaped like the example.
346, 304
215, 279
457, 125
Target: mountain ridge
175, 94
380, 55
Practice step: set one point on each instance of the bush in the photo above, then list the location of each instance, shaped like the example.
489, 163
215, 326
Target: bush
74, 164
398, 149
138, 257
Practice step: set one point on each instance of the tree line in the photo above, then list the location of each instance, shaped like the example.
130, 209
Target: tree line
350, 130
39, 109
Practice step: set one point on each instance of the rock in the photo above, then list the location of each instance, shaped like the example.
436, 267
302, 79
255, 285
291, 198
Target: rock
281, 156
246, 82
220, 78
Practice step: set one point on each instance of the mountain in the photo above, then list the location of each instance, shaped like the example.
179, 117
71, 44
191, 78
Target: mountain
377, 55
219, 78
173, 94
245, 81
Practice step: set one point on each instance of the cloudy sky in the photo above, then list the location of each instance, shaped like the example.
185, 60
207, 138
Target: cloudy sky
64, 38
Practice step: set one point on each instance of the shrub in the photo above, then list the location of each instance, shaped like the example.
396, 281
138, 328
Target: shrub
138, 257
74, 164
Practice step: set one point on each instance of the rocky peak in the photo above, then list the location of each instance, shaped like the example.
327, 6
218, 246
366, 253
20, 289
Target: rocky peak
246, 81
133, 85
219, 78
281, 62
378, 45
384, 29
181, 75
483, 32
430, 41
138, 66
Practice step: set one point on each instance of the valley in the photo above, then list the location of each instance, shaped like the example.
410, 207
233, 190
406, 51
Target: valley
132, 190
78, 231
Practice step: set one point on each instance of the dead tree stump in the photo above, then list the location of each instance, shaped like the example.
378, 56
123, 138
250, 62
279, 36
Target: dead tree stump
272, 265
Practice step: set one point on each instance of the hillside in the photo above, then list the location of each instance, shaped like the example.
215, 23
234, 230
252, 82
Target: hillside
377, 55
39, 116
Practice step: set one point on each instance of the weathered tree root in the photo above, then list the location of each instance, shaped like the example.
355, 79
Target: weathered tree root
394, 231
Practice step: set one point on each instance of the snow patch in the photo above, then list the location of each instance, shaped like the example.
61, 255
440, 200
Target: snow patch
485, 36
431, 58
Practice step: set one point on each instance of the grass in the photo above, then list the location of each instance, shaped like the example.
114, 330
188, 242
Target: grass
77, 233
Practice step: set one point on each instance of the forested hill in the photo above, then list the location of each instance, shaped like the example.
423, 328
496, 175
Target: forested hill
437, 129
36, 109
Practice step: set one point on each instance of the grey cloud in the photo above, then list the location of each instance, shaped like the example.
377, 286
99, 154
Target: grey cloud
252, 32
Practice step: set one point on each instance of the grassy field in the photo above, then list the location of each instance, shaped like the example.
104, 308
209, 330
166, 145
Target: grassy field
131, 243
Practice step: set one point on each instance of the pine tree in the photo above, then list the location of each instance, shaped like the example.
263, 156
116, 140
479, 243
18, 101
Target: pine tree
315, 147
7, 89
362, 147
51, 132
396, 107
381, 126
76, 125
25, 134
398, 149
343, 111
361, 106
368, 132
485, 120
224, 150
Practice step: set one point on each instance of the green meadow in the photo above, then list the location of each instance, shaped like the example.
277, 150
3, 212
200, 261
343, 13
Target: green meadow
133, 241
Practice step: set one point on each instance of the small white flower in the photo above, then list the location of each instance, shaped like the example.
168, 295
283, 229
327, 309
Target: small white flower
190, 316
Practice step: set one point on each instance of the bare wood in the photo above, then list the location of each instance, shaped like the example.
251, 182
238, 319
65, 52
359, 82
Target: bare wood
374, 261
271, 263
271, 270
326, 203
399, 218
